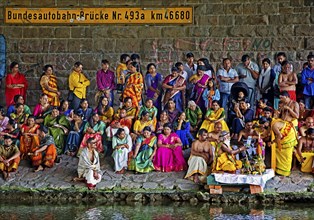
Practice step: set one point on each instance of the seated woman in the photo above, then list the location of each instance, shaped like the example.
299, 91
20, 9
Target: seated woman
75, 135
182, 129
19, 116
93, 129
224, 159
29, 137
58, 127
162, 121
12, 131
42, 109
121, 145
145, 149
18, 99
169, 155
86, 110
124, 119
4, 120
104, 110
151, 109
304, 114
172, 111
65, 110
143, 122
130, 110
214, 115
194, 115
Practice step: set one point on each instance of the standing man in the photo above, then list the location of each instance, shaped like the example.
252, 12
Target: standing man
9, 157
248, 73
105, 80
201, 157
227, 76
46, 153
78, 83
287, 80
308, 82
191, 68
281, 57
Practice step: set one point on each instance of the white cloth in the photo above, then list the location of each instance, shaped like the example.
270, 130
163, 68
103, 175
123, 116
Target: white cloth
264, 78
259, 180
86, 168
196, 165
120, 156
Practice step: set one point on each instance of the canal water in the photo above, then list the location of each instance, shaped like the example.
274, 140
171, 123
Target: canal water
169, 211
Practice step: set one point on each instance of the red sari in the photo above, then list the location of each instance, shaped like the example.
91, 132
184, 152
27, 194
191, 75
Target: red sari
19, 78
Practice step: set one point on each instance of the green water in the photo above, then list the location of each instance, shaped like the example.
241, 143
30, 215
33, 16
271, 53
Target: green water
171, 211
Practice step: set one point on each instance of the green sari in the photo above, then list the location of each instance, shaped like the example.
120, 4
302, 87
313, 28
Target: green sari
55, 130
142, 163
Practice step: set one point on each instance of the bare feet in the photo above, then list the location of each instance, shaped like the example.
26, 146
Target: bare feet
196, 179
39, 168
78, 179
5, 175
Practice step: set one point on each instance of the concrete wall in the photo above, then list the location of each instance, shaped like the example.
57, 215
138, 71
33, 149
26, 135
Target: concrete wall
221, 28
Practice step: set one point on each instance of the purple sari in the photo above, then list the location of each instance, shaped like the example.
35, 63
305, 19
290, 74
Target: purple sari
198, 92
169, 159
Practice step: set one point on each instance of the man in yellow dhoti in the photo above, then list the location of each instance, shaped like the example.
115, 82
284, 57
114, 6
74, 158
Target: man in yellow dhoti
225, 156
305, 151
284, 135
201, 157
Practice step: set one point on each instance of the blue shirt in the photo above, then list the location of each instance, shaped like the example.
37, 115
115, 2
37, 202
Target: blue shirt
308, 85
225, 87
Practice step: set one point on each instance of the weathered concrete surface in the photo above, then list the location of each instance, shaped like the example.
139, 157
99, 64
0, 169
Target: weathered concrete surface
56, 184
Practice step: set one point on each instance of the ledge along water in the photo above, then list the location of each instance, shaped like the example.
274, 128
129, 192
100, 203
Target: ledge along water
56, 185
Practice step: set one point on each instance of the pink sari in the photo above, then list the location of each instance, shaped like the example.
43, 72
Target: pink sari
169, 159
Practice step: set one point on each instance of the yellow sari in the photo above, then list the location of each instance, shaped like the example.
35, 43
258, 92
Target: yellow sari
213, 116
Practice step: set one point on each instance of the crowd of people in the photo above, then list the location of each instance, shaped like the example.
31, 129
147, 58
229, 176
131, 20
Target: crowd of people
218, 117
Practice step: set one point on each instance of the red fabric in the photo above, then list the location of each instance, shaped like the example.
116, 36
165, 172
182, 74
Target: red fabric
19, 78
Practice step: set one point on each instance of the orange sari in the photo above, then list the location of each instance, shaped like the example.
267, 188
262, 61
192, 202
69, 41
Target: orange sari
134, 88
27, 142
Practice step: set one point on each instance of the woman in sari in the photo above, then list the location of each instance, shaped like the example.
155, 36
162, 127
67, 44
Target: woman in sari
29, 138
16, 84
19, 116
169, 155
153, 81
121, 145
48, 83
93, 129
58, 127
65, 110
86, 110
134, 85
194, 115
12, 131
200, 80
174, 87
75, 135
162, 121
182, 129
214, 115
130, 110
143, 122
172, 111
145, 149
3, 120
18, 99
151, 109
104, 110
42, 109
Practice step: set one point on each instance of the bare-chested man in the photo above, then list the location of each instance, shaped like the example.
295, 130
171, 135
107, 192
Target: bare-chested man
309, 123
214, 135
287, 80
201, 157
247, 138
305, 151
